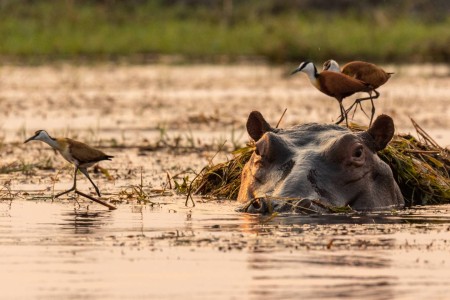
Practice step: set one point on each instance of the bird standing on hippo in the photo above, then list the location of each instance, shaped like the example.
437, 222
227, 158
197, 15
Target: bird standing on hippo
364, 71
334, 84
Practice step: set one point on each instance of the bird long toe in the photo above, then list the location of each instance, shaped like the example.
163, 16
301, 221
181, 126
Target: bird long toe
65, 192
339, 121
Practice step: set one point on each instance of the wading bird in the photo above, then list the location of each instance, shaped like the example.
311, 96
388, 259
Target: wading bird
333, 84
79, 154
364, 71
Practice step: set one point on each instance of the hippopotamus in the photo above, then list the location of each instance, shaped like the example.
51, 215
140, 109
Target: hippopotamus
322, 164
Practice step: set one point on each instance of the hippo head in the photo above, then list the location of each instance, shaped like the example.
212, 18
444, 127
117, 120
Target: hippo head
325, 162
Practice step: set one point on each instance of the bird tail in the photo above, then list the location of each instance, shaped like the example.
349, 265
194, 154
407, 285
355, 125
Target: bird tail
108, 157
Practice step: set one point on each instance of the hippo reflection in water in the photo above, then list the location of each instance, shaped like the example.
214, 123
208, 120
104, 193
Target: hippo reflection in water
320, 163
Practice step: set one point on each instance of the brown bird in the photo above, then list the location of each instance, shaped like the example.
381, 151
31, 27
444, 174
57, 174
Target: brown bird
79, 154
333, 84
364, 71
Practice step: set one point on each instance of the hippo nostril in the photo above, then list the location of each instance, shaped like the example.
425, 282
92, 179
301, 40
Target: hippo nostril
358, 152
257, 206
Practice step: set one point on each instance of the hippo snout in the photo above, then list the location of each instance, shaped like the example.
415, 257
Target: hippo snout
268, 205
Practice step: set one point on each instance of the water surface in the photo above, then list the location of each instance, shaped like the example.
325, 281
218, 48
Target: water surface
57, 250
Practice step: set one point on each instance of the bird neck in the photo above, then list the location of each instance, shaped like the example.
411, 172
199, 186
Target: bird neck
51, 142
334, 67
313, 77
312, 74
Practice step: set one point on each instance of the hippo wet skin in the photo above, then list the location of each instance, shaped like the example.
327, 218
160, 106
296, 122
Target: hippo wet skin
322, 162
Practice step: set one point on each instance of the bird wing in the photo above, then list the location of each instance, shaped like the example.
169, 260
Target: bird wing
85, 153
366, 72
338, 84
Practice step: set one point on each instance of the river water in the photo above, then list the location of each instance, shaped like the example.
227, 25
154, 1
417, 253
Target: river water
59, 250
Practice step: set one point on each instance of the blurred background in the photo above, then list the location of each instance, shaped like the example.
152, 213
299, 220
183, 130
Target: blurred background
225, 30
198, 67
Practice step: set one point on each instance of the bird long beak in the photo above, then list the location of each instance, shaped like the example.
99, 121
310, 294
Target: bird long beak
295, 71
30, 139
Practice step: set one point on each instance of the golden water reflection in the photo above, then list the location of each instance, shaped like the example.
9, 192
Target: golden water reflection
59, 251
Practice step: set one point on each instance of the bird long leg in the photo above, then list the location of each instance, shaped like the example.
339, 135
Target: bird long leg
74, 187
343, 114
373, 105
358, 102
355, 105
85, 172
373, 112
351, 106
341, 117
377, 94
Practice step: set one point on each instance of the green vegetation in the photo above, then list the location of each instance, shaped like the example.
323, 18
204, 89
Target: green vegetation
35, 30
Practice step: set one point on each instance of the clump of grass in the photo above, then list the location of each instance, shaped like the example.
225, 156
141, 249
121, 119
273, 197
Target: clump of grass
224, 179
420, 166
183, 186
140, 194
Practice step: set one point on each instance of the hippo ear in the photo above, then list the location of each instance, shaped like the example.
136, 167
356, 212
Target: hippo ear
272, 147
257, 125
382, 131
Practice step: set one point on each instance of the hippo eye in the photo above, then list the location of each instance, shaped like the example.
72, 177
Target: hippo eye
358, 151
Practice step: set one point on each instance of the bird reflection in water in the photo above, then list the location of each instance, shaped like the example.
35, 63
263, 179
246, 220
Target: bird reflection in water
84, 221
